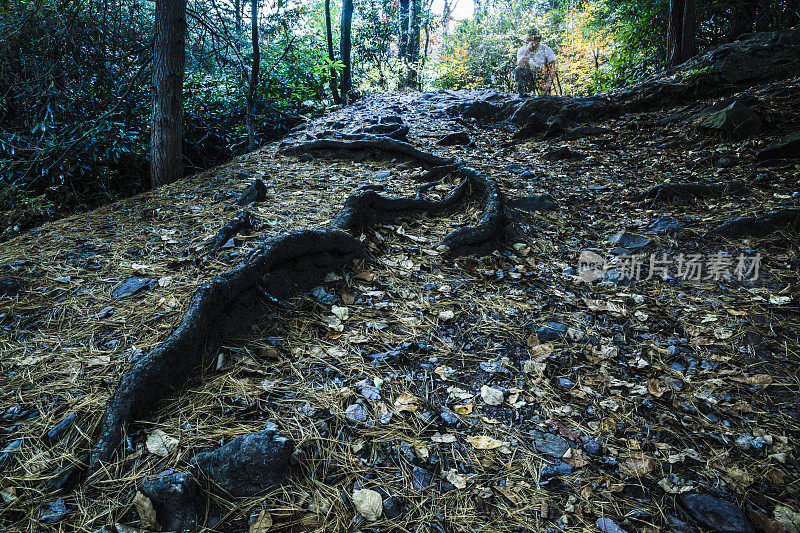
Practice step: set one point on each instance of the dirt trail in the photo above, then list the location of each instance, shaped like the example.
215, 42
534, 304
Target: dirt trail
438, 381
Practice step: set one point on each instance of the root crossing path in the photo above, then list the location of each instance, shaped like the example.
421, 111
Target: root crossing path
445, 322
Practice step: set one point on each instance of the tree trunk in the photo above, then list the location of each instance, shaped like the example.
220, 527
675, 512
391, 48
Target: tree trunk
680, 32
424, 55
744, 18
329, 35
402, 47
688, 31
413, 42
251, 91
169, 60
237, 14
345, 45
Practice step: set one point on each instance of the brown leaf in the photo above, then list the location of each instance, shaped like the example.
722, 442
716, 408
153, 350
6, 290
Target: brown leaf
637, 466
365, 275
657, 387
567, 432
262, 524
766, 524
406, 402
512, 497
574, 458
347, 297
146, 512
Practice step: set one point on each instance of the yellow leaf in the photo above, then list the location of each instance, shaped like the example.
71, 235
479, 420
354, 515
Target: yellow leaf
463, 408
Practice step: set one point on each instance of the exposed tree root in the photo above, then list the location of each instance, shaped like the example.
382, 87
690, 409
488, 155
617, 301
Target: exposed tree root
385, 145
242, 221
394, 130
484, 236
437, 173
759, 226
365, 208
282, 265
684, 192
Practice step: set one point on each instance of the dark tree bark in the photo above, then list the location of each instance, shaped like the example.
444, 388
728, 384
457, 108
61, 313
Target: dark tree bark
413, 41
345, 45
680, 32
329, 35
169, 60
744, 18
402, 47
237, 14
251, 91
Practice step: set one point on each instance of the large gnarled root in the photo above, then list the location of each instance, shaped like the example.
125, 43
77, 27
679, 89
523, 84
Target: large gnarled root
759, 226
379, 144
281, 266
367, 207
484, 236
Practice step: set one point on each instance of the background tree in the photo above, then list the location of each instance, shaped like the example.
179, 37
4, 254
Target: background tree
680, 32
331, 56
374, 31
251, 91
402, 45
169, 61
414, 24
345, 46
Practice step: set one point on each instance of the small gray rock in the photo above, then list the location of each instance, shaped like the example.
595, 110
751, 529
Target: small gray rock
356, 412
453, 139
256, 192
631, 241
786, 148
736, 120
53, 512
529, 204
59, 431
606, 525
557, 468
719, 515
132, 285
549, 444
420, 478
551, 331
664, 226
176, 500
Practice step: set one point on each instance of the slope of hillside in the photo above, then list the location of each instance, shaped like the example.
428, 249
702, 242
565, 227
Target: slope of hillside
519, 390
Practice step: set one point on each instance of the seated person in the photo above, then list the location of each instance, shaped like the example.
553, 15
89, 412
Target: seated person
531, 57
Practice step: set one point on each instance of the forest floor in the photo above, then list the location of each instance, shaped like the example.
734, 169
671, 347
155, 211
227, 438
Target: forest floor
434, 380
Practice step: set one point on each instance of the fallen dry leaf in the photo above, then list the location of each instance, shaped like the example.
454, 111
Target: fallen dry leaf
368, 503
484, 442
406, 402
147, 514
